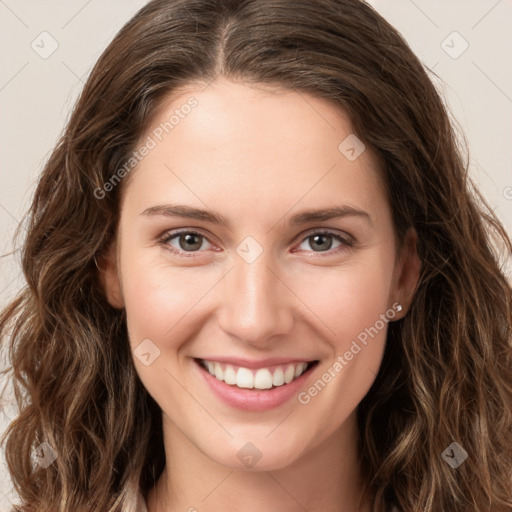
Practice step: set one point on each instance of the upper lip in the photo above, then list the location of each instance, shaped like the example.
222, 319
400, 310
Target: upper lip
260, 363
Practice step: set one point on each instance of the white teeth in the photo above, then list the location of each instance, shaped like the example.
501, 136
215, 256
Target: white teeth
262, 378
278, 377
244, 378
299, 369
219, 374
211, 367
229, 375
289, 374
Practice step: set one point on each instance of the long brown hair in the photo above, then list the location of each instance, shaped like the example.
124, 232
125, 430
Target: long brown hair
447, 370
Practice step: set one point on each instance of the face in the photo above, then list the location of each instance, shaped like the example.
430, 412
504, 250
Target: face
252, 246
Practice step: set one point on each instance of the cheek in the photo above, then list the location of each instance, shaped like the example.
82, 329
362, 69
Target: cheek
353, 310
348, 299
162, 305
159, 297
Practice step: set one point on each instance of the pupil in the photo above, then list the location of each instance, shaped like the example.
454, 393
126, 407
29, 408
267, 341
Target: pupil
322, 242
192, 240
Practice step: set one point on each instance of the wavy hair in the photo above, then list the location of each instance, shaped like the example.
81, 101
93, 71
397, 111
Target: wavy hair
447, 369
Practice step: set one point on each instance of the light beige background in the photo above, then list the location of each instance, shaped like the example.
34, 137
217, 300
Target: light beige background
36, 94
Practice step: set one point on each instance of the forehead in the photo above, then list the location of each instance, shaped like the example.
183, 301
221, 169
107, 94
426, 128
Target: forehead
254, 147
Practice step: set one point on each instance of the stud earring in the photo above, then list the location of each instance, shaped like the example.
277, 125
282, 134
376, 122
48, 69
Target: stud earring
399, 307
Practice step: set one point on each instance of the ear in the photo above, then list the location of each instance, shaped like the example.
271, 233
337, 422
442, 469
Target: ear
109, 277
407, 272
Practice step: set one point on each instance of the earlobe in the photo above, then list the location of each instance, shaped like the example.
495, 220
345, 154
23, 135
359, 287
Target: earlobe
409, 271
109, 278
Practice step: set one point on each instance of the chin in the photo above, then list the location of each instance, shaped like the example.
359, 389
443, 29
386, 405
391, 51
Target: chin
258, 452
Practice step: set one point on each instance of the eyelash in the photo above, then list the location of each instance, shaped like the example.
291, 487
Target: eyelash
346, 243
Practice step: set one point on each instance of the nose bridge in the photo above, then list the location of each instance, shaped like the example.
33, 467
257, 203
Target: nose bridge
255, 306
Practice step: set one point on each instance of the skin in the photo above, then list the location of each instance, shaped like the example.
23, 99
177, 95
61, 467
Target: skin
257, 156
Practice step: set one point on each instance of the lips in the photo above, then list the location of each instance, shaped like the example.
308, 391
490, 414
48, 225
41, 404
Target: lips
255, 399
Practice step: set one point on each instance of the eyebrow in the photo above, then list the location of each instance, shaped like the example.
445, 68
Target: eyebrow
302, 217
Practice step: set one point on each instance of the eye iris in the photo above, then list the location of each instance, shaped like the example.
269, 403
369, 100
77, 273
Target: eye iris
190, 242
321, 242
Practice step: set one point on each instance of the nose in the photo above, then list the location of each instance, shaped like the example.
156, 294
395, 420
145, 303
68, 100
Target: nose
256, 305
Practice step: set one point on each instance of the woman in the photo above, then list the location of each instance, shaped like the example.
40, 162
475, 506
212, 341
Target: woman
258, 276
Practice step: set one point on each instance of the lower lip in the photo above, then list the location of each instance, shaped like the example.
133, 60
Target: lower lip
253, 399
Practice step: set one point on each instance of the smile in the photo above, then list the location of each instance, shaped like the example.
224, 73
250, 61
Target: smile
257, 378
